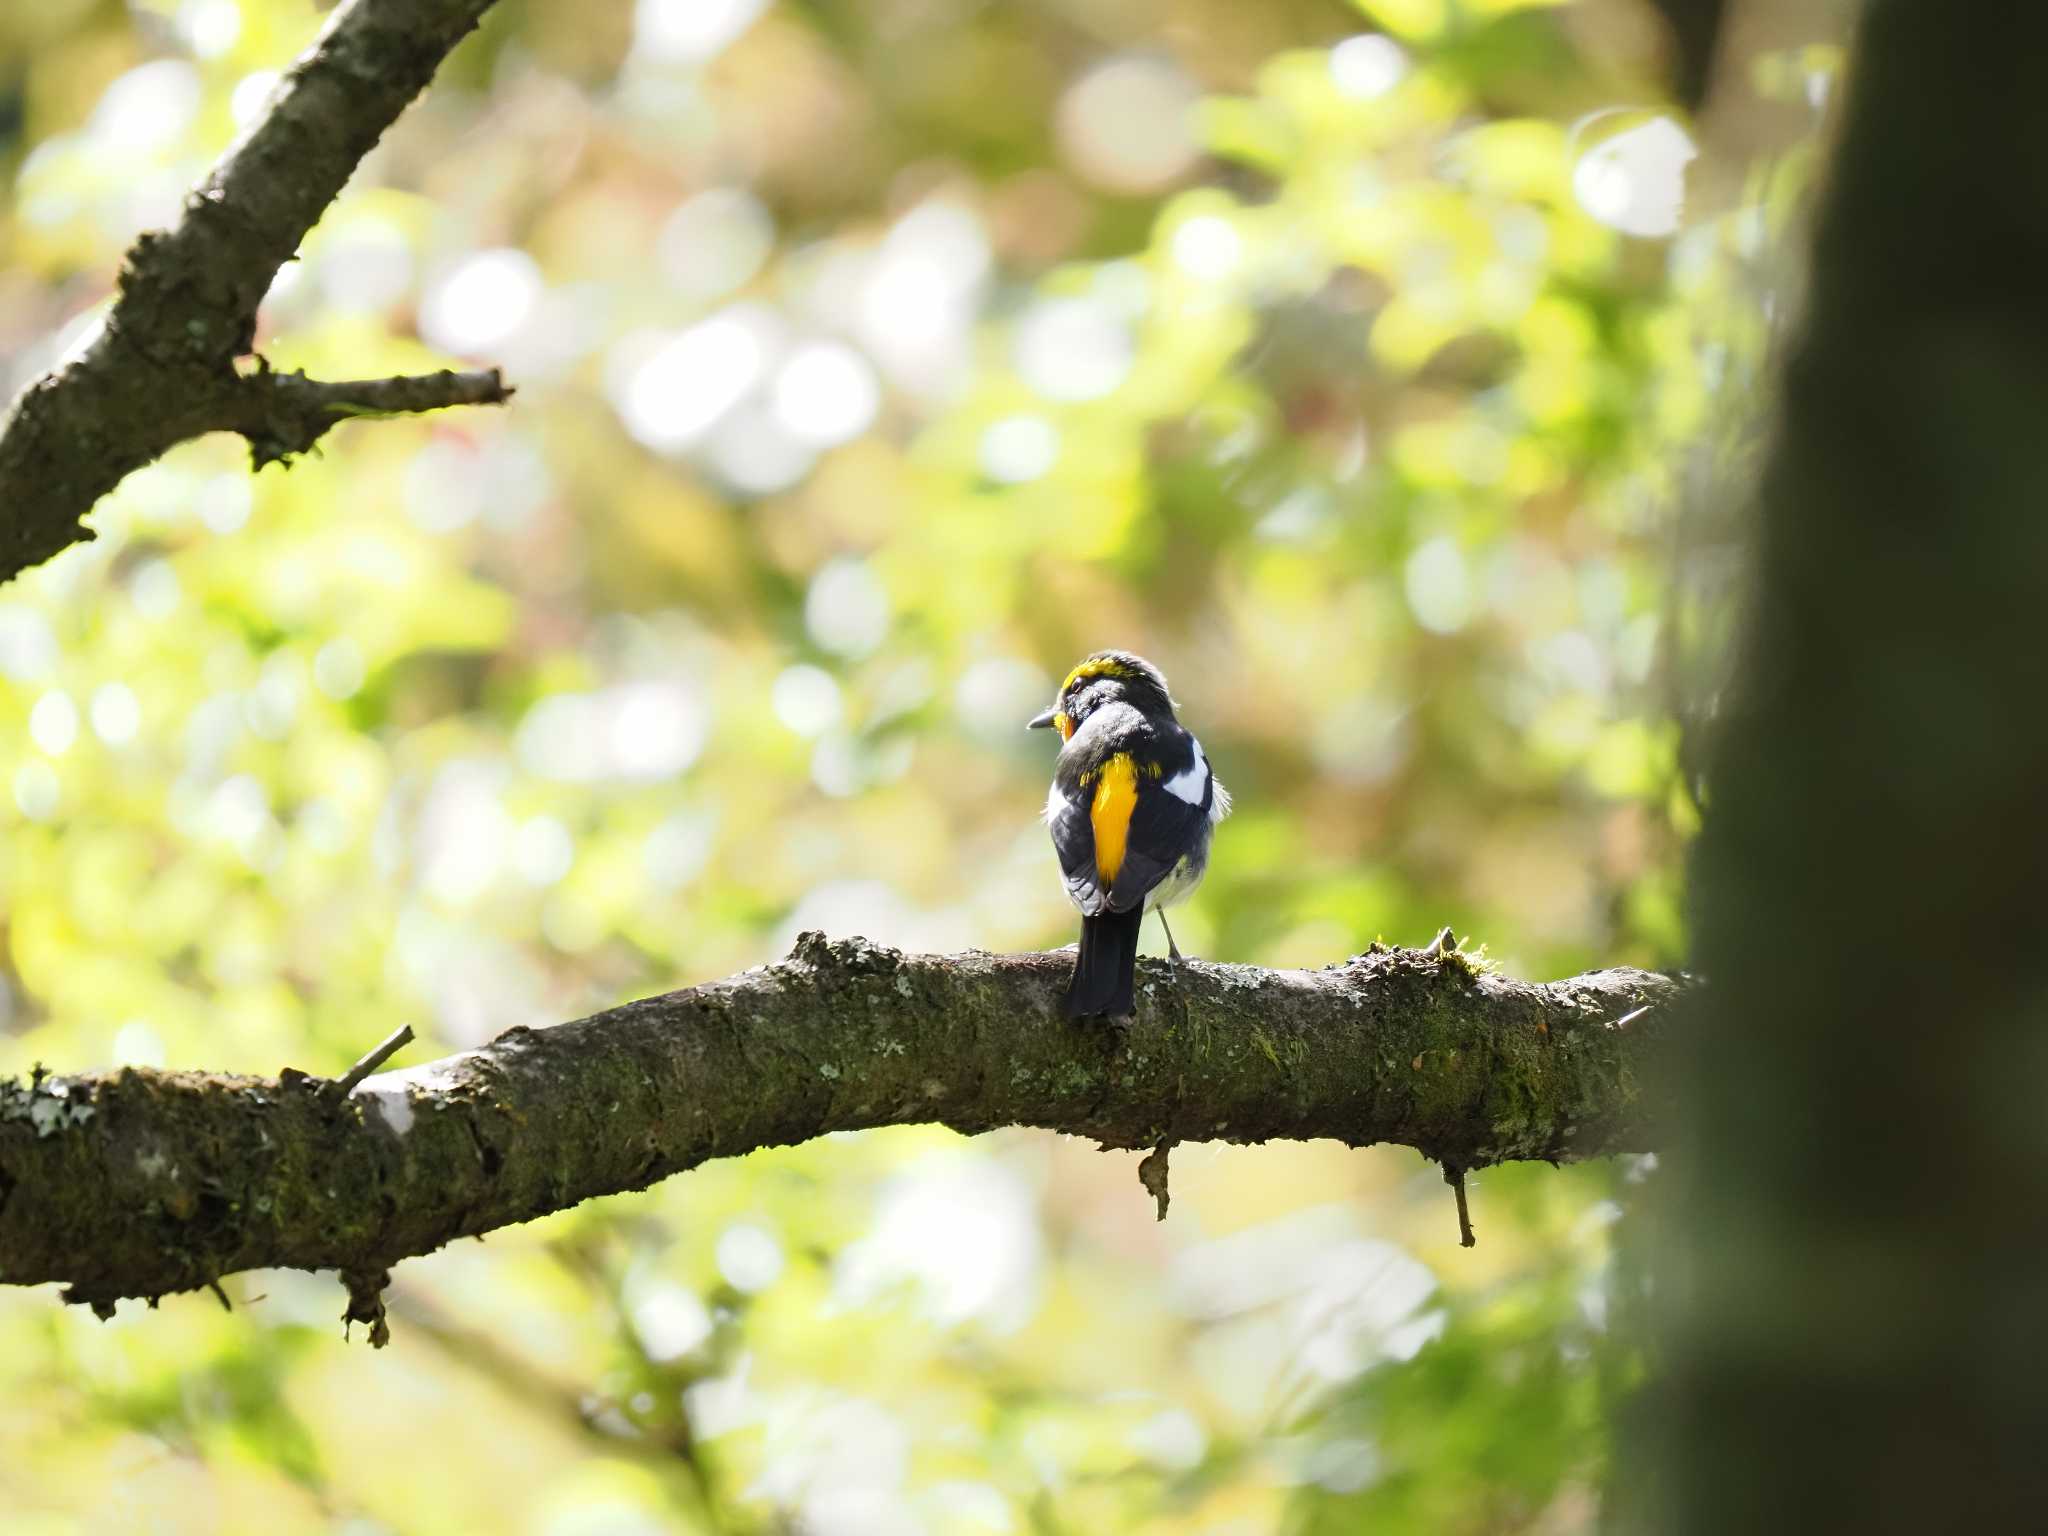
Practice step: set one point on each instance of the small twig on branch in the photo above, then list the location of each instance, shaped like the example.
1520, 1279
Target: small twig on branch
390, 1046
1455, 1177
284, 414
161, 367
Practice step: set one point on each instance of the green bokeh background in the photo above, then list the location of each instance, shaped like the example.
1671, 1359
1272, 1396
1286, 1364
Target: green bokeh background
875, 362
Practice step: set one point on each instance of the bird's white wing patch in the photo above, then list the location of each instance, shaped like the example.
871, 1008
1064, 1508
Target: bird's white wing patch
1192, 780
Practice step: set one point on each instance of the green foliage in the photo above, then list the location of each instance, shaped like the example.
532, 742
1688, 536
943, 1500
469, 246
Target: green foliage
870, 371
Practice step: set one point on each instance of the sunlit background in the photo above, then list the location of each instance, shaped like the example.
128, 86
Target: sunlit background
875, 361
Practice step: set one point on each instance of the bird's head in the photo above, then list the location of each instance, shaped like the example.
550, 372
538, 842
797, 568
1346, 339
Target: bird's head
1107, 677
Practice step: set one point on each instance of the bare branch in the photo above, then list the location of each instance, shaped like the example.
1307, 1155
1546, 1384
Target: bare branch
162, 366
282, 414
140, 1182
377, 1055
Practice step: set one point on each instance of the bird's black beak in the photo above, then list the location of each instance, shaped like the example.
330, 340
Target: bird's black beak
1043, 722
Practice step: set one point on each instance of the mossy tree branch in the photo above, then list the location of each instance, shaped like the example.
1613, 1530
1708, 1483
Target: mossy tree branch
162, 366
140, 1182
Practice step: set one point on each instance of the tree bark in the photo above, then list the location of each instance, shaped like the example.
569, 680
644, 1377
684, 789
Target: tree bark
140, 1182
1858, 1330
162, 366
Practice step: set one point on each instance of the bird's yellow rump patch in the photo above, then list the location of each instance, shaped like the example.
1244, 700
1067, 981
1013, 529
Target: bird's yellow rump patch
1116, 796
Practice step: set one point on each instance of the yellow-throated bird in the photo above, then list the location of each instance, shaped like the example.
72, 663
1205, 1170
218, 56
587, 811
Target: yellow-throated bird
1131, 809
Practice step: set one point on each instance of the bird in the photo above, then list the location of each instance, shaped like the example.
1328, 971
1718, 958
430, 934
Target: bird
1132, 807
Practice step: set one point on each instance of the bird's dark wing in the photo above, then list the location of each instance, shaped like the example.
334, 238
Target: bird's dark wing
1073, 838
1163, 828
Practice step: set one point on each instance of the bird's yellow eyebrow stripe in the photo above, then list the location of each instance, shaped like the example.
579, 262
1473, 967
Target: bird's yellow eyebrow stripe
1116, 796
1104, 666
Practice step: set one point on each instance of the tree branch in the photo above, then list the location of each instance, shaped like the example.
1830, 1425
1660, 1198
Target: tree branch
143, 1182
161, 368
282, 414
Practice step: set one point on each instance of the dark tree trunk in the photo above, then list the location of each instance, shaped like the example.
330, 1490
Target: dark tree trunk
1858, 1304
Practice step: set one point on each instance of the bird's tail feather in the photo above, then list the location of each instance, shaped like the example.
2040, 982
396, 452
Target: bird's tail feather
1105, 968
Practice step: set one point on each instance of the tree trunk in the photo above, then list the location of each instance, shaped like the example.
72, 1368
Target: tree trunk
1858, 1321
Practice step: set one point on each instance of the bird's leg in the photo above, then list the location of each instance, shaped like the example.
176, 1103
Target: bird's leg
1172, 949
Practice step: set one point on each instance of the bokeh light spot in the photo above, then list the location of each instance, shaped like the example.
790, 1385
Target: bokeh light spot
749, 1257
1018, 449
36, 790
481, 302
826, 393
846, 610
210, 27
1125, 124
1439, 587
714, 242
544, 851
1208, 247
1635, 181
116, 714
1367, 66
338, 667
150, 106
806, 699
691, 31
687, 382
1073, 349
53, 723
669, 1320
